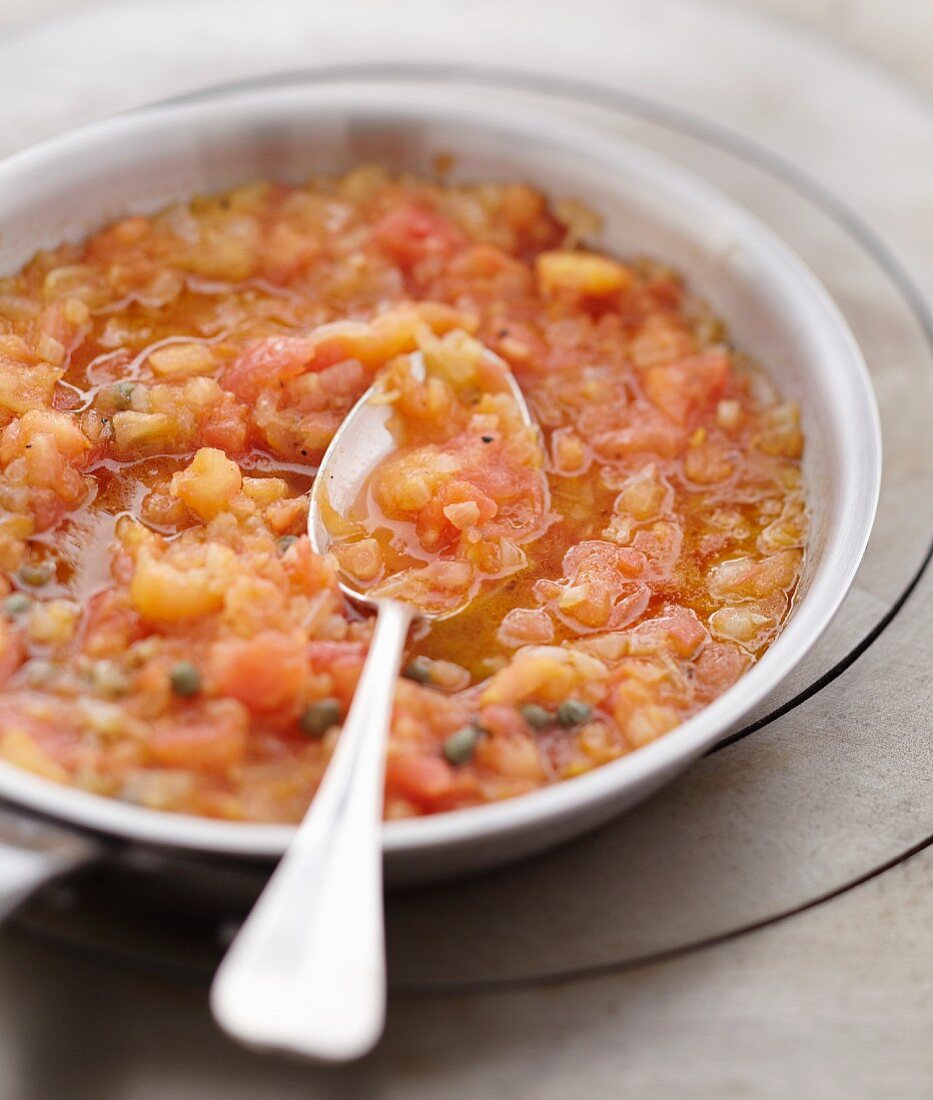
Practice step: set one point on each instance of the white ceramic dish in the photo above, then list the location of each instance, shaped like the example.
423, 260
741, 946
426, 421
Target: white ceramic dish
775, 308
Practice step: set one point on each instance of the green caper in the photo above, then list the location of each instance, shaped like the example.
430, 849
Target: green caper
538, 717
286, 541
573, 712
120, 395
36, 574
185, 679
418, 670
318, 718
460, 745
16, 604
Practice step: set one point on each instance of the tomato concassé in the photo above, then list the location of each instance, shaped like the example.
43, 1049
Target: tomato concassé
167, 389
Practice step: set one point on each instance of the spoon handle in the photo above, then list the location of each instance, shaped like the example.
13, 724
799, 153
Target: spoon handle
306, 973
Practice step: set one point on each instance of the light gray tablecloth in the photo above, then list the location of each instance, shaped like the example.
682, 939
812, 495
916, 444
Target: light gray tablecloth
834, 1002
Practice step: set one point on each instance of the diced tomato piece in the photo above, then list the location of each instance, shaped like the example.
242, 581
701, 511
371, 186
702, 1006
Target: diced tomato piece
667, 292
717, 668
594, 558
331, 350
432, 526
47, 746
413, 232
648, 431
275, 360
490, 271
676, 626
202, 744
111, 623
343, 382
485, 261
287, 253
688, 387
342, 660
308, 572
428, 782
284, 515
345, 674
56, 322
265, 673
226, 428
503, 721
266, 362
47, 509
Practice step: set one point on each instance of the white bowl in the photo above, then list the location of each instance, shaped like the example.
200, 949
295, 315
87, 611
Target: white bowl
775, 308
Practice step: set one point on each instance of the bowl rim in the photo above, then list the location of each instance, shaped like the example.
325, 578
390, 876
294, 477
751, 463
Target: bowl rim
547, 806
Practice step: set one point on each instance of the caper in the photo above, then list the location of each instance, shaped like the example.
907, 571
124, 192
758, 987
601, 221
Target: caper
117, 397
120, 395
538, 717
318, 718
36, 574
185, 679
16, 604
418, 670
572, 712
286, 541
460, 745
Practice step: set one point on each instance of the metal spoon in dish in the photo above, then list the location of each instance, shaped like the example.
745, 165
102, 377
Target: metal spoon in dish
306, 973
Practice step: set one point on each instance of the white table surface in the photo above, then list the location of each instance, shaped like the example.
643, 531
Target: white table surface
834, 1002
896, 32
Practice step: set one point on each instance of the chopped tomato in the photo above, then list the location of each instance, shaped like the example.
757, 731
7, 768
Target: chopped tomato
429, 782
414, 232
111, 622
267, 362
343, 661
211, 742
265, 673
691, 386
718, 667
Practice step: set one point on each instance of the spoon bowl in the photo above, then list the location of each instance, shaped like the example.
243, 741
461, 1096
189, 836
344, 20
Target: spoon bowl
361, 442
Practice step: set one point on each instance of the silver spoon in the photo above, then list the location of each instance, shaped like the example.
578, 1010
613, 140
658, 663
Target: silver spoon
306, 972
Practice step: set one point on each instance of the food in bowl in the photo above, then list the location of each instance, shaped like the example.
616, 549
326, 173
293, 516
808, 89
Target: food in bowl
167, 388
